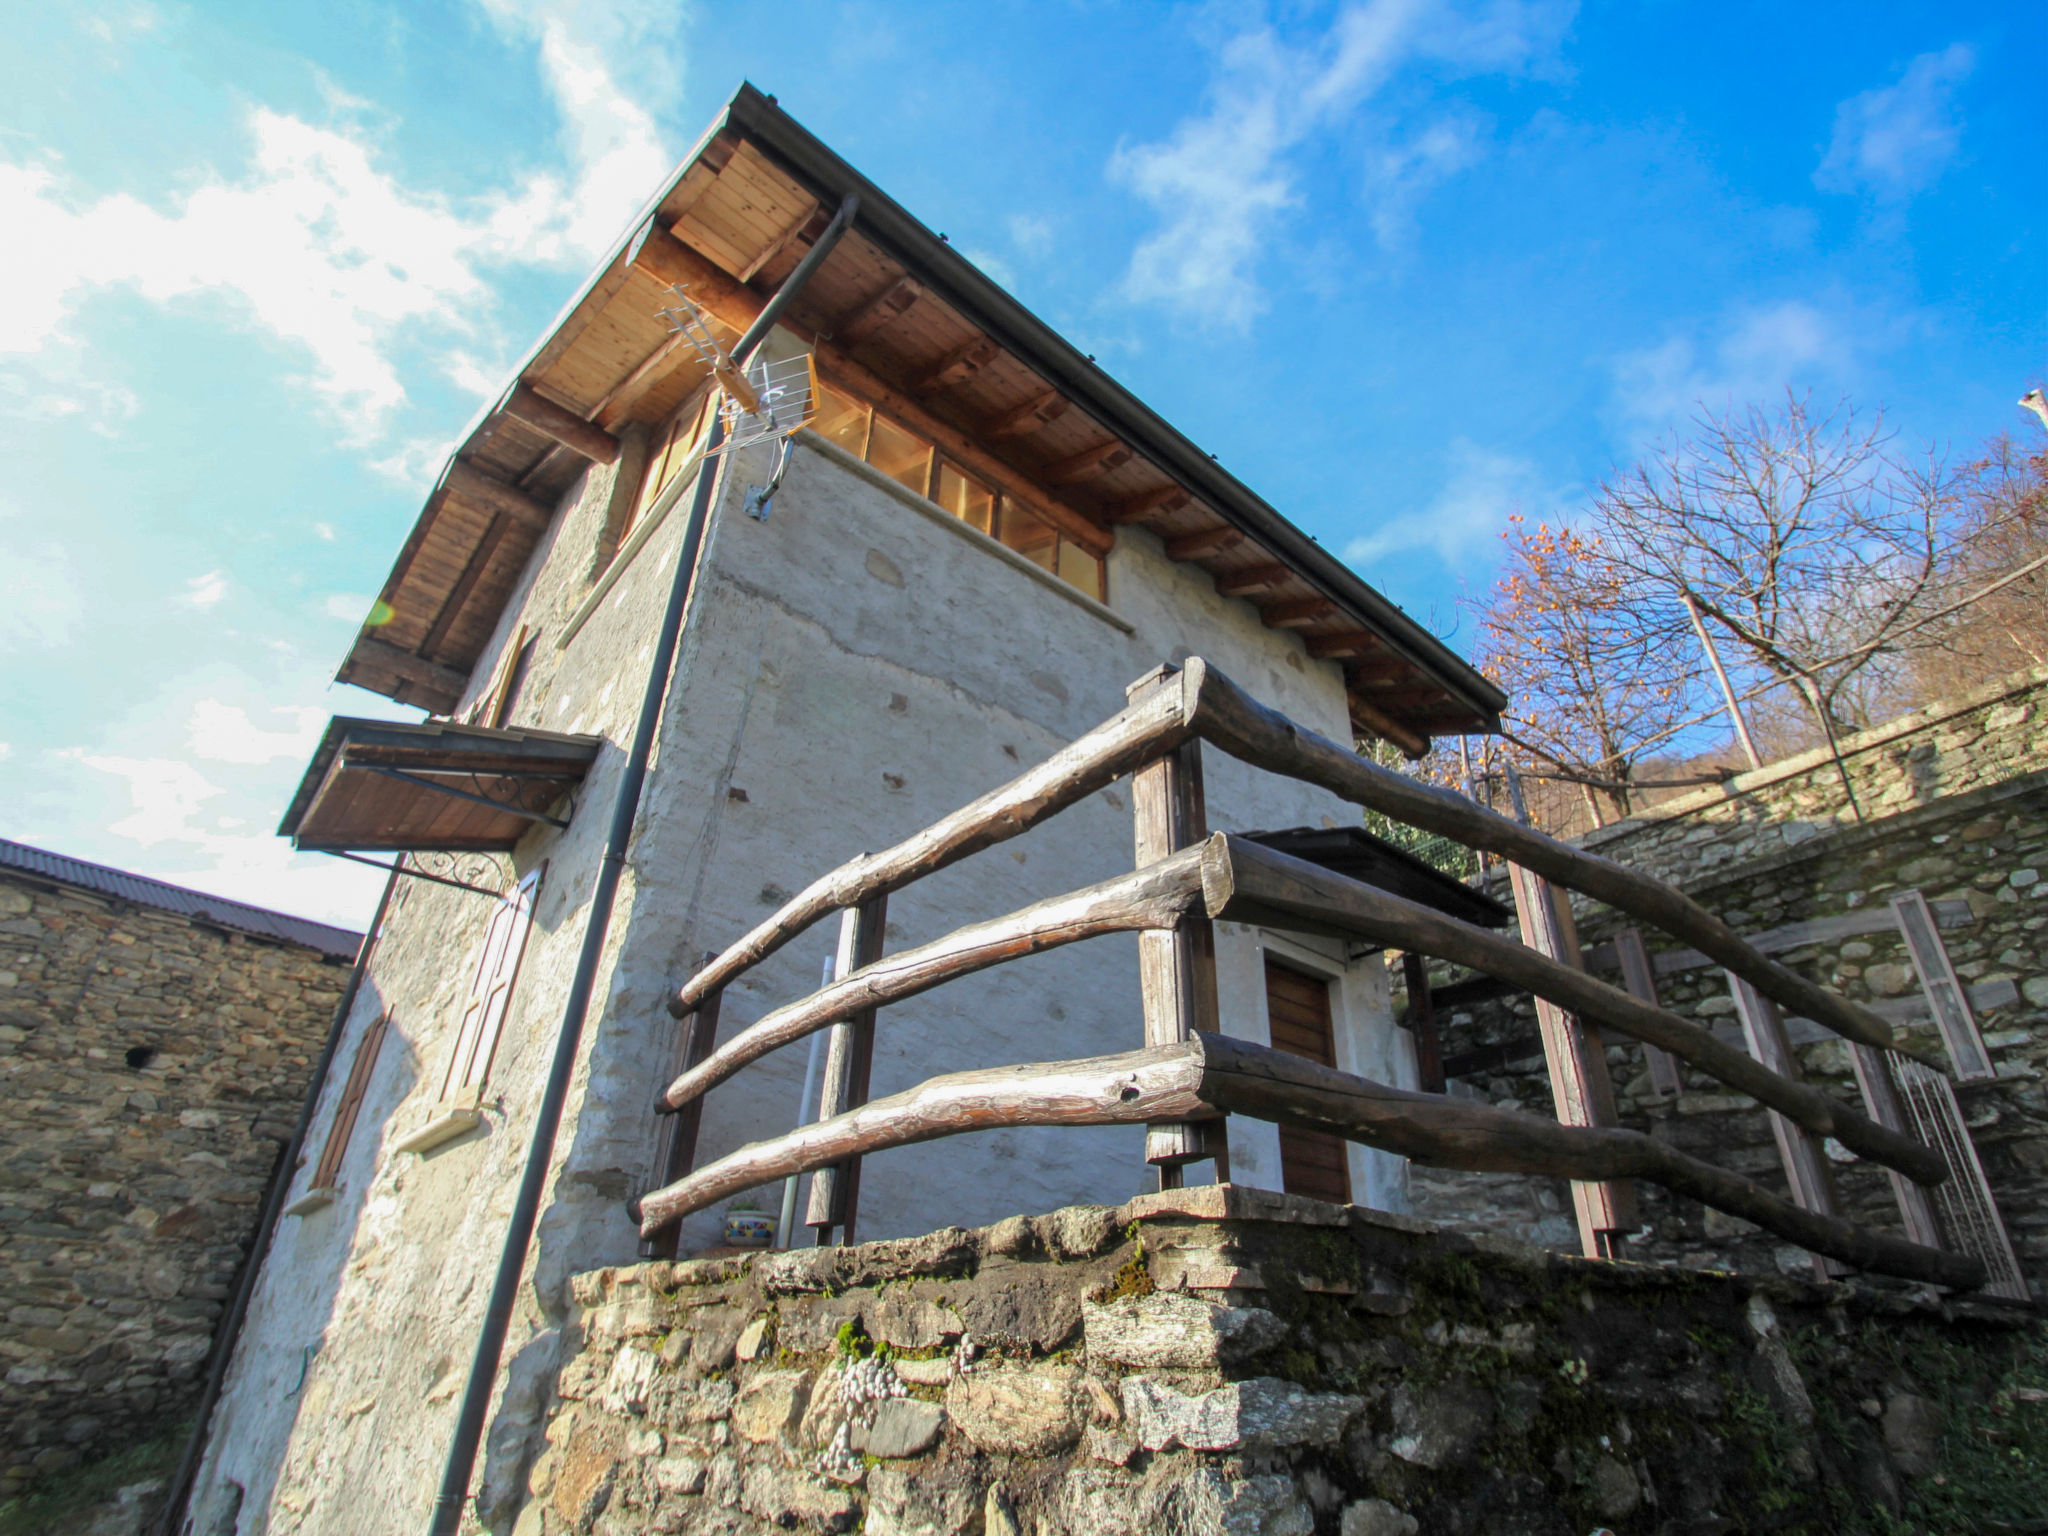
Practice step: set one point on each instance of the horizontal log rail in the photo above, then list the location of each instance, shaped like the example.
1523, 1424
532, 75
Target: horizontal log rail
1157, 896
1212, 1075
1126, 741
1224, 714
1248, 883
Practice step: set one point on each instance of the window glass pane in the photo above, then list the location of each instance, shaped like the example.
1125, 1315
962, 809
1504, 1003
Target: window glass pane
966, 498
1032, 539
898, 455
1080, 568
841, 420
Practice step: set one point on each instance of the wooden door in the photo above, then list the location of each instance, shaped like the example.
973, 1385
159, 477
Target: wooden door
1312, 1163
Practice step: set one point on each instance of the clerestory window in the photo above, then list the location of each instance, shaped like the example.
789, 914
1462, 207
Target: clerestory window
913, 462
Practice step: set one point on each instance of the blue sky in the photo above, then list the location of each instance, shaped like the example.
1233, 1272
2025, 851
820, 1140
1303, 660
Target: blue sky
1405, 266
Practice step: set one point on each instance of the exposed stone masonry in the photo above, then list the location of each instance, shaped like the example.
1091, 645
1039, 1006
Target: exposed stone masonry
153, 1067
1985, 846
1229, 1361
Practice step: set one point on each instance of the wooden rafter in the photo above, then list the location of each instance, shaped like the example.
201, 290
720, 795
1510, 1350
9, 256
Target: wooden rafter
466, 482
564, 426
1088, 464
776, 246
1253, 578
958, 366
1294, 612
1149, 506
402, 663
1028, 417
1205, 542
881, 310
1347, 642
472, 573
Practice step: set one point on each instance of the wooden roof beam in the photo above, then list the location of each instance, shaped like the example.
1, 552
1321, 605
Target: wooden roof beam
780, 243
1412, 743
1088, 464
1253, 578
402, 663
1296, 612
528, 405
880, 311
1028, 417
958, 366
1151, 505
468, 483
1348, 642
1208, 541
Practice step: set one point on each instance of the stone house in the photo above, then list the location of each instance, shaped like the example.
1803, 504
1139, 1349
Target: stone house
976, 545
156, 1043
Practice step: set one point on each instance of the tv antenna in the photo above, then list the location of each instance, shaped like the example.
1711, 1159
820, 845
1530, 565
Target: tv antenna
767, 402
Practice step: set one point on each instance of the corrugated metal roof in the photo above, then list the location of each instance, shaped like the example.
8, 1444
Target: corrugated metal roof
145, 892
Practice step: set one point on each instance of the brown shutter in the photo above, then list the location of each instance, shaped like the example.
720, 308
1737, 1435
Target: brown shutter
483, 1016
1312, 1163
328, 1172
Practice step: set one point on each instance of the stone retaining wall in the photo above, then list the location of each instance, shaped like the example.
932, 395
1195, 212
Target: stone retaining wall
1226, 1361
1984, 737
128, 1192
1986, 851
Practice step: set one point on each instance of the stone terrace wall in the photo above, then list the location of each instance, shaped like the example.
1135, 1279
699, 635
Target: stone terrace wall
1987, 736
127, 1194
1986, 848
1227, 1361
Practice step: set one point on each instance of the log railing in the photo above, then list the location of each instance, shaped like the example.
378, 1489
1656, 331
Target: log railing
1189, 1078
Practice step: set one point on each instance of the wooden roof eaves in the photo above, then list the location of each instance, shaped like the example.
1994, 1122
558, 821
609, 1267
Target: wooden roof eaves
983, 304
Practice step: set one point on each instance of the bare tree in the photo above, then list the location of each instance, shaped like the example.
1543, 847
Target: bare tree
2001, 624
1807, 541
1592, 688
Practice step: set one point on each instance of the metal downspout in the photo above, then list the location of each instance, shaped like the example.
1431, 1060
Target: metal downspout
490, 1344
266, 1228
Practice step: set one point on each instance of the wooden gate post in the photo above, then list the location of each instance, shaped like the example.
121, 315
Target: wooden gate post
1177, 967
1946, 999
1806, 1167
1580, 1085
849, 1056
1640, 978
675, 1136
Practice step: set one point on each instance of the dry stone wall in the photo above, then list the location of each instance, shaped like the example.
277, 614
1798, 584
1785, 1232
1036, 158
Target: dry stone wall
153, 1068
1213, 1361
1979, 852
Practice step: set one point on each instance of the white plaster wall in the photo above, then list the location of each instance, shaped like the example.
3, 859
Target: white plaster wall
851, 669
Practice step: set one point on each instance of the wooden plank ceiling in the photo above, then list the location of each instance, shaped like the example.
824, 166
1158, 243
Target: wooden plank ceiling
732, 228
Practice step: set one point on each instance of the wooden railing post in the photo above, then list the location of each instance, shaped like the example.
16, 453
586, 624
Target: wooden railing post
1177, 966
675, 1136
1640, 980
1806, 1167
1580, 1085
1421, 1022
1946, 999
849, 1057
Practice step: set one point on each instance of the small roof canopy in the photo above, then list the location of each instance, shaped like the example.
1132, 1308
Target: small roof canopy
386, 785
1358, 855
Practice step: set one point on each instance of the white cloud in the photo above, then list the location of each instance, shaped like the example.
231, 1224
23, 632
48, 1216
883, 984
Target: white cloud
164, 792
1896, 140
205, 591
471, 374
1462, 525
352, 607
324, 532
224, 733
1398, 176
318, 243
1030, 234
1759, 353
1222, 182
43, 604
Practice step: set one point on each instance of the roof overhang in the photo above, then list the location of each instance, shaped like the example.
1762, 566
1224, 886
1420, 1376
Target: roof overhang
895, 312
1359, 855
381, 785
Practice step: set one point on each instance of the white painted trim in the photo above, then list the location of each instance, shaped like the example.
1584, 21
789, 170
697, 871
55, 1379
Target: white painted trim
444, 1127
926, 507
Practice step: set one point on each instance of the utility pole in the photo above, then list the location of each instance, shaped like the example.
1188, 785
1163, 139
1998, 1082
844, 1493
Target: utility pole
1699, 627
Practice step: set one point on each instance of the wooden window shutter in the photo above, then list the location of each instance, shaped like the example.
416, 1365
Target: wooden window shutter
327, 1174
490, 993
